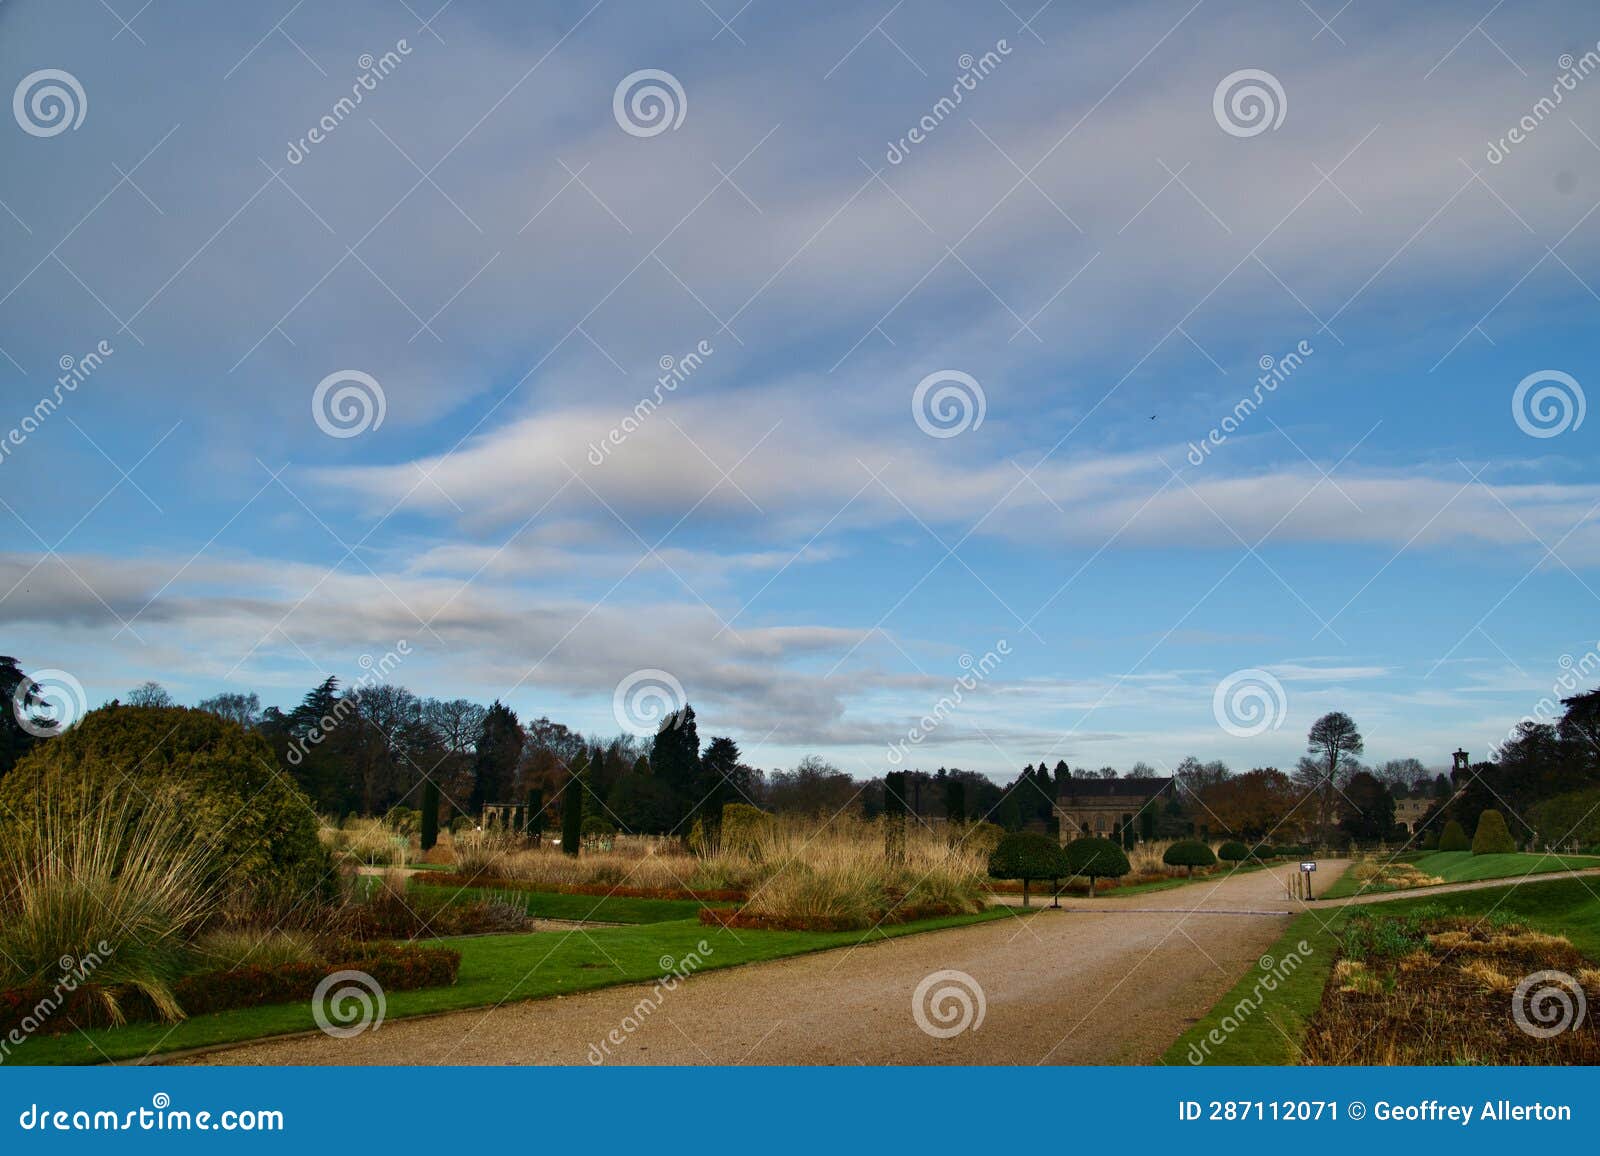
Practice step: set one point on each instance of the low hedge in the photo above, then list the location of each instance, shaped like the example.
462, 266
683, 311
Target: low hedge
742, 920
396, 967
495, 882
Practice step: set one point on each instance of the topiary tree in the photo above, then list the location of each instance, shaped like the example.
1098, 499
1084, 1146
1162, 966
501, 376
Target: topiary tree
218, 778
430, 814
1492, 837
536, 816
1263, 852
1028, 855
1098, 859
1233, 851
1453, 838
572, 808
1188, 854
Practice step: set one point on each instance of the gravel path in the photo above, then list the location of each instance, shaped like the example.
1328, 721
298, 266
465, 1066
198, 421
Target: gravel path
1101, 981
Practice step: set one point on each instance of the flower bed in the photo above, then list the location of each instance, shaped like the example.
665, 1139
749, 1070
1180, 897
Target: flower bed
452, 879
42, 1009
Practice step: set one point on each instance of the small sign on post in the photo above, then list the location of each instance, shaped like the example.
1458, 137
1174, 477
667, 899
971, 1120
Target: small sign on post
1307, 866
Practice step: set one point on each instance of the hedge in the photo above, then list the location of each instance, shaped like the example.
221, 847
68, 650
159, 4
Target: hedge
396, 967
731, 917
495, 882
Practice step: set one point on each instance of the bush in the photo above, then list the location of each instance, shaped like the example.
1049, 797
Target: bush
1028, 855
1189, 854
1096, 858
1453, 838
217, 780
1263, 852
742, 828
1492, 837
1430, 841
1233, 851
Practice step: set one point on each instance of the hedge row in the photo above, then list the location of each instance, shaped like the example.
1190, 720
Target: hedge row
495, 882
396, 967
731, 917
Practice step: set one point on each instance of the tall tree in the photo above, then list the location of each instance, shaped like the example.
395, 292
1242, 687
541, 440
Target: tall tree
572, 808
1332, 742
244, 709
19, 699
675, 760
1368, 811
723, 779
149, 693
499, 749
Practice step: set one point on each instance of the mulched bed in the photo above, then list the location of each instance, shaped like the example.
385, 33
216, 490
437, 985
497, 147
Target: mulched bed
1420, 990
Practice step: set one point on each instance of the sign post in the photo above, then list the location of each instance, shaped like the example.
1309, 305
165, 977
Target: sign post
1307, 866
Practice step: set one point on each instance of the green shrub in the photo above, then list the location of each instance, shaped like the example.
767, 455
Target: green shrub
1028, 855
1233, 851
1098, 859
1263, 852
1189, 854
743, 828
1430, 841
219, 781
1453, 838
1492, 837
572, 811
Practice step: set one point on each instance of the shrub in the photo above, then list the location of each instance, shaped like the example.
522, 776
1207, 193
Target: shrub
572, 812
90, 880
1233, 851
742, 828
1430, 841
1263, 852
981, 837
482, 852
1189, 854
1453, 838
1097, 859
1028, 855
218, 781
1492, 837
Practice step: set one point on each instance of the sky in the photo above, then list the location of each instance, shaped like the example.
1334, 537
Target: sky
1205, 367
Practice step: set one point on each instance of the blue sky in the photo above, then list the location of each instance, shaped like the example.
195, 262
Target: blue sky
1088, 236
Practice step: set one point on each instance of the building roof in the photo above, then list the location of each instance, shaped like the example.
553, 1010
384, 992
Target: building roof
1144, 788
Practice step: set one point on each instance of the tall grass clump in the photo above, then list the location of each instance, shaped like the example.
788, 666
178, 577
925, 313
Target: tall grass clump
84, 873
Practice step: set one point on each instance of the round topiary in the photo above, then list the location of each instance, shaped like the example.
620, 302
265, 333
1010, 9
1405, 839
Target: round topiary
1028, 855
1098, 859
1189, 854
1263, 852
1492, 836
1233, 851
1453, 838
217, 779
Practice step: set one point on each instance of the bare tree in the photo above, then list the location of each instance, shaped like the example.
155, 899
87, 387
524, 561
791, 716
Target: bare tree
1332, 742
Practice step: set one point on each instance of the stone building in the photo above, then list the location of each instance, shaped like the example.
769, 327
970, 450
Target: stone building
1104, 807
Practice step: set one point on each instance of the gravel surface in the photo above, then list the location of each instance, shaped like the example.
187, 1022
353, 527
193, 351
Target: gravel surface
1098, 981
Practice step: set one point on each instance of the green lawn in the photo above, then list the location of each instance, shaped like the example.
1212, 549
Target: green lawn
494, 969
1465, 867
592, 908
1270, 1033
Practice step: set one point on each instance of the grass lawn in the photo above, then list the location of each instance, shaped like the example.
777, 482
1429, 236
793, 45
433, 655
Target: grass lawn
1270, 1034
1465, 867
593, 908
494, 969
